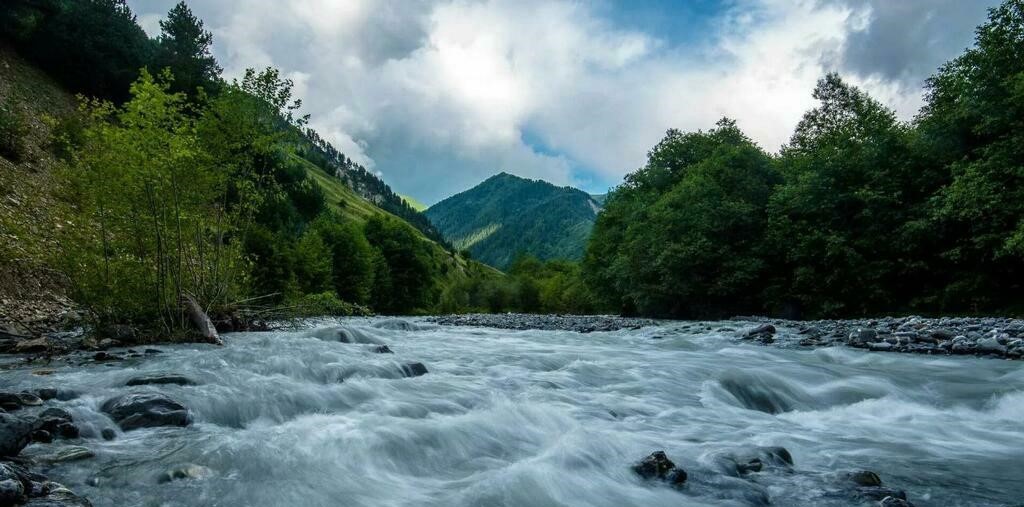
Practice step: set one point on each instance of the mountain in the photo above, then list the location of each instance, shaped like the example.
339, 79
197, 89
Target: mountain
507, 215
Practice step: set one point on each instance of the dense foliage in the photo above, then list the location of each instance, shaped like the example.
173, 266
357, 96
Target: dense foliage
176, 182
859, 214
531, 286
506, 216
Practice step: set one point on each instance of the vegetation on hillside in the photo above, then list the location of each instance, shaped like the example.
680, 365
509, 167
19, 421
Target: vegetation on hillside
173, 181
506, 216
860, 213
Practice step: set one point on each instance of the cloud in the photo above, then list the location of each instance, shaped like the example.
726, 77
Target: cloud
440, 94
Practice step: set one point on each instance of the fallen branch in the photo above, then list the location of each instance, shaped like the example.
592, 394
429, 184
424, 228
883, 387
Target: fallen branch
200, 319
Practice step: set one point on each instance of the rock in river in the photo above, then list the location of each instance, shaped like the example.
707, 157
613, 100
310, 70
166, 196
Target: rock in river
161, 379
658, 466
15, 434
144, 410
414, 369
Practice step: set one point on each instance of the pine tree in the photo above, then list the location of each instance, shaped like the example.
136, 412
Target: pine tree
184, 47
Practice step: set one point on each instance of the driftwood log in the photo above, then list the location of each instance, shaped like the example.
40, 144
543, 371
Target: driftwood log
200, 320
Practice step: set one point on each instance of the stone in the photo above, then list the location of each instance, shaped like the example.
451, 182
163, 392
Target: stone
144, 410
42, 436
383, 349
15, 434
865, 478
47, 393
69, 453
108, 434
890, 501
862, 336
12, 487
990, 345
760, 332
657, 465
160, 380
190, 471
414, 369
33, 346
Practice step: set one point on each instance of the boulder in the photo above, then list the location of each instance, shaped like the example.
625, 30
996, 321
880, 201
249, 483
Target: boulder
144, 410
69, 453
56, 495
862, 336
33, 346
15, 434
990, 345
760, 332
161, 380
383, 349
189, 471
42, 436
658, 466
108, 434
12, 487
414, 369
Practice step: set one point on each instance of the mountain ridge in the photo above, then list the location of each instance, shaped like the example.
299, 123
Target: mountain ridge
506, 215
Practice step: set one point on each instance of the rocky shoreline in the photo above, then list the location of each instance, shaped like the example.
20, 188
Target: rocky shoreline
981, 336
525, 321
978, 336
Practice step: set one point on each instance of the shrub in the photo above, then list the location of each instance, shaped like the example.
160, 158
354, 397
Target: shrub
13, 129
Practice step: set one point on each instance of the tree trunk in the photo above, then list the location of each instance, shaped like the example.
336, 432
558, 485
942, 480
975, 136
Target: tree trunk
200, 320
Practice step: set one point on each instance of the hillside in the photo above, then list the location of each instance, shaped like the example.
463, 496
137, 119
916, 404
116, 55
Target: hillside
36, 220
507, 215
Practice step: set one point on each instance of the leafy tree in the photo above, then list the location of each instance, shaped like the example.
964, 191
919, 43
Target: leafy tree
95, 47
145, 204
684, 235
971, 124
184, 47
841, 220
406, 284
352, 258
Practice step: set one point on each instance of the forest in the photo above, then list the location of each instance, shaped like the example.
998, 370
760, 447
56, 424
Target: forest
859, 214
172, 180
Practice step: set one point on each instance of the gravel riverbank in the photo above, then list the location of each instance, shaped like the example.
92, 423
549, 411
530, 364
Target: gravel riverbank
985, 336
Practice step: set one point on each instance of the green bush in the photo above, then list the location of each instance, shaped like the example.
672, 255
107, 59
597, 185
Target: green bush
13, 129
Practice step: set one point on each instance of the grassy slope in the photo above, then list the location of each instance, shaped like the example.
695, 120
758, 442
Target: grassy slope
416, 205
454, 267
31, 296
26, 205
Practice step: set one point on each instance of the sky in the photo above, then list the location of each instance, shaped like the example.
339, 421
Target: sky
437, 95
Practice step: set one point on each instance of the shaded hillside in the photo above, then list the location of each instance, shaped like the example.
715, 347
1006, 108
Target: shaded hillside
507, 215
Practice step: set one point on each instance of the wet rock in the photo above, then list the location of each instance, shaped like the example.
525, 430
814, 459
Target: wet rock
658, 466
865, 478
108, 434
143, 410
12, 489
15, 434
56, 421
153, 351
880, 493
161, 380
47, 393
383, 349
42, 436
396, 325
190, 471
990, 345
56, 495
862, 337
414, 369
894, 502
764, 333
69, 453
33, 346
67, 430
29, 400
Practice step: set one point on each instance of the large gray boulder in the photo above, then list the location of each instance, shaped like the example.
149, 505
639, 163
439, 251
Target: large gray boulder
15, 434
145, 410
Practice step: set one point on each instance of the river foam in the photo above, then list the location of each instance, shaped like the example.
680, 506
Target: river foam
316, 417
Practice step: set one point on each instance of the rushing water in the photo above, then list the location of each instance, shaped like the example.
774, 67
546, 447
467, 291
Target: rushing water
537, 418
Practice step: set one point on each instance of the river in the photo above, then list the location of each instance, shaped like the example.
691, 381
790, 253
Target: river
539, 418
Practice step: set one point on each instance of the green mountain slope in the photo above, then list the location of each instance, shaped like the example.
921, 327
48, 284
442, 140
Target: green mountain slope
507, 215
